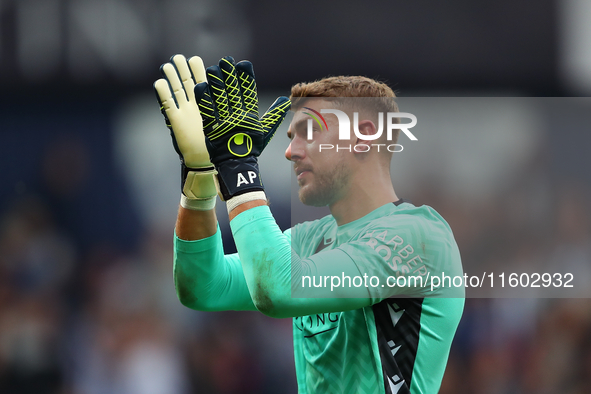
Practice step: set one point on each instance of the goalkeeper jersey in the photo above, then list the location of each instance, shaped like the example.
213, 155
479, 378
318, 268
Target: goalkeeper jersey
398, 342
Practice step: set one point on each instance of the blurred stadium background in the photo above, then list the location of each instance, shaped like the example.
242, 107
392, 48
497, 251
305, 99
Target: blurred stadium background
89, 182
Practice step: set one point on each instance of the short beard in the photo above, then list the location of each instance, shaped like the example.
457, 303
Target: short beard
327, 187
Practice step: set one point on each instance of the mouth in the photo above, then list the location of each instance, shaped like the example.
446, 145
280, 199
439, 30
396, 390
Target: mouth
302, 171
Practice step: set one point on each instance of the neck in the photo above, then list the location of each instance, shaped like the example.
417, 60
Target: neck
365, 194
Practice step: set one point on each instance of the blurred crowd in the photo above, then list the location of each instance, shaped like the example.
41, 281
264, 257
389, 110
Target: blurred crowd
83, 314
536, 345
79, 317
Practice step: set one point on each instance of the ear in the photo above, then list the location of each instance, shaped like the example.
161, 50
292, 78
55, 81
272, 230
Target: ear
366, 127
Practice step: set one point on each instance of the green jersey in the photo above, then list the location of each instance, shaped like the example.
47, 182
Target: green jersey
391, 335
396, 345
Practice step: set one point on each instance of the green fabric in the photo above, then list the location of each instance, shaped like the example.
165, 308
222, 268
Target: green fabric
269, 263
439, 321
207, 280
336, 343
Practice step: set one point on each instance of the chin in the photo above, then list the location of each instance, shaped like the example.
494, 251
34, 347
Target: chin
310, 198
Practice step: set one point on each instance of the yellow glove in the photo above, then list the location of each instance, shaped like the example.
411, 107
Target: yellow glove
177, 103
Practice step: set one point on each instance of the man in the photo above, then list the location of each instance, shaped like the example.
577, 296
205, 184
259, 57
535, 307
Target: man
389, 337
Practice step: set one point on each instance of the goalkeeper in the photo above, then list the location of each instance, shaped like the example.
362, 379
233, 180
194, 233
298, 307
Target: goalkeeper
364, 339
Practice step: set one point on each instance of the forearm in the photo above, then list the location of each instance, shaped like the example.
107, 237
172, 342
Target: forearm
269, 264
206, 279
244, 207
194, 225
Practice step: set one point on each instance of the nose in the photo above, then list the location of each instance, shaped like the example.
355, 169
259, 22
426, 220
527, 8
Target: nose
296, 149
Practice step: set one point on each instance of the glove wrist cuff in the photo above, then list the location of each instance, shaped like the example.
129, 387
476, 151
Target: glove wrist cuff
202, 204
246, 197
237, 177
198, 183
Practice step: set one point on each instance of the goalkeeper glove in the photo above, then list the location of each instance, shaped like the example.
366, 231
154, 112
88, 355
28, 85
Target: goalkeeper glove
235, 136
175, 93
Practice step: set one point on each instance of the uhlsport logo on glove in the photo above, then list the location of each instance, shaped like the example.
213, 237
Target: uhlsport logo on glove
240, 145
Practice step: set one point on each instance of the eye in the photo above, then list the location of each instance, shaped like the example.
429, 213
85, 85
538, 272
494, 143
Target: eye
314, 125
307, 136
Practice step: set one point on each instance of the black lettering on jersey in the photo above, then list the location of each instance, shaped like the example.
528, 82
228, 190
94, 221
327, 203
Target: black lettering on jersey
320, 319
313, 325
